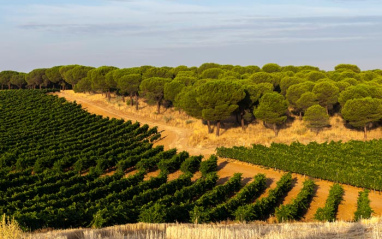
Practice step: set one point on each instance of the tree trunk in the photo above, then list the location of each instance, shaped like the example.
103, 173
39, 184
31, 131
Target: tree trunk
2, 86
275, 130
237, 117
40, 87
300, 115
158, 106
131, 100
327, 110
123, 98
218, 128
209, 127
242, 120
365, 132
9, 86
136, 102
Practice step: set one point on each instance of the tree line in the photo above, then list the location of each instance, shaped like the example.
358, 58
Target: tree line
214, 92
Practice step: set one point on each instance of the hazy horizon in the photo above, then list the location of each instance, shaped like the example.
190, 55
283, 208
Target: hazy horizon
127, 33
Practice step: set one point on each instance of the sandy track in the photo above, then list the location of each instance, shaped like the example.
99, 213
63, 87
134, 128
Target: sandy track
178, 137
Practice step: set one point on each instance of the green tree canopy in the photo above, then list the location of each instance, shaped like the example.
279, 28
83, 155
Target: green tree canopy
129, 84
153, 89
218, 99
272, 110
206, 66
362, 112
271, 67
212, 73
347, 67
162, 72
98, 78
306, 100
18, 80
84, 85
5, 78
295, 92
186, 100
36, 77
287, 82
172, 89
316, 118
327, 94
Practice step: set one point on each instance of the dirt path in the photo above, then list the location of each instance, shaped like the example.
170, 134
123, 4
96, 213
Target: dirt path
179, 137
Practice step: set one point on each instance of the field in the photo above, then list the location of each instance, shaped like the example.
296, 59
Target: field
75, 184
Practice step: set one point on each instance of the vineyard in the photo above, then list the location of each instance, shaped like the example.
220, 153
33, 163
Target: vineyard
62, 167
355, 163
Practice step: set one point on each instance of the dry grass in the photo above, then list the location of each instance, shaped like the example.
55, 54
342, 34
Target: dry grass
9, 229
231, 133
371, 228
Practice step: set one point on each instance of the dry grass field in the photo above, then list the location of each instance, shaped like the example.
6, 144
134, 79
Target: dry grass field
371, 228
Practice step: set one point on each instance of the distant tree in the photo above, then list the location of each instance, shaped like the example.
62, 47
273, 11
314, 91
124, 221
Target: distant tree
327, 94
54, 75
308, 68
271, 67
162, 72
316, 75
5, 78
295, 92
172, 89
347, 67
153, 89
272, 110
84, 85
64, 75
75, 74
218, 100
212, 73
186, 80
316, 118
287, 82
186, 100
354, 92
98, 79
306, 100
206, 66
291, 68
129, 84
342, 85
36, 78
18, 80
262, 77
253, 92
362, 112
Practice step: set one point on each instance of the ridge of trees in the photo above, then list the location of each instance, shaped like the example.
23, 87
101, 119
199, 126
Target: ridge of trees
214, 92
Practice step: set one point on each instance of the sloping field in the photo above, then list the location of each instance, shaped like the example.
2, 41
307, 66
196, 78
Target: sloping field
180, 135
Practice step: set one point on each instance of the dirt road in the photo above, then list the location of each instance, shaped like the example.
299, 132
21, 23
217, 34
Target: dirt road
179, 137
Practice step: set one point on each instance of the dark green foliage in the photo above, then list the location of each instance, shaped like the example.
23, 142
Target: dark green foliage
327, 94
186, 100
329, 211
264, 207
36, 77
306, 100
98, 78
191, 165
362, 112
364, 210
334, 161
172, 89
153, 89
211, 73
316, 118
208, 166
272, 110
287, 82
299, 205
271, 68
173, 164
18, 80
347, 67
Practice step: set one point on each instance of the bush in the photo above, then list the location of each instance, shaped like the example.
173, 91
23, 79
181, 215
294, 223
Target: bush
329, 211
210, 165
364, 210
298, 207
191, 165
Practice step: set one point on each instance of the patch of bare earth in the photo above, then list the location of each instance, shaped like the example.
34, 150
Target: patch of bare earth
189, 134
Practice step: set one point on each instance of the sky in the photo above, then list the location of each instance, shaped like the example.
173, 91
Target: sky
128, 33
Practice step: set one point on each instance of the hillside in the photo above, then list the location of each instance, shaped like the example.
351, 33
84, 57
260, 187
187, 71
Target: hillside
182, 135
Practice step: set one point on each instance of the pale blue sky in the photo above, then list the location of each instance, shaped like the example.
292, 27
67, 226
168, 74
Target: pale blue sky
126, 33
